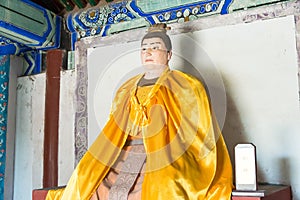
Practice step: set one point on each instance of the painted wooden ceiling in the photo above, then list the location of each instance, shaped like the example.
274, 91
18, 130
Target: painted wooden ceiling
61, 7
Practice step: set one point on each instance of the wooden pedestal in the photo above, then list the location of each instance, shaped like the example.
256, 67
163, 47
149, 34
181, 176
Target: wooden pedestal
39, 194
264, 192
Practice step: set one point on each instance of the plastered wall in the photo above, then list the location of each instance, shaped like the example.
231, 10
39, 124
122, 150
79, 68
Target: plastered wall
30, 133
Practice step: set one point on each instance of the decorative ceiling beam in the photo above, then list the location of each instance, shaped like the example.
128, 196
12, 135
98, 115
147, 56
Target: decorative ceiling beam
80, 3
93, 2
25, 23
131, 14
53, 5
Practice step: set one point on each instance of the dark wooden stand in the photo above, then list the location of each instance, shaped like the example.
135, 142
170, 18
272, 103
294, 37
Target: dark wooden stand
264, 192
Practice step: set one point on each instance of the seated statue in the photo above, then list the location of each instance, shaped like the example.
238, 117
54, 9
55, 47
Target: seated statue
161, 140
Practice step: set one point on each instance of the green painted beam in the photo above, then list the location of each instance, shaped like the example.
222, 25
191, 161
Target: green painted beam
80, 3
69, 5
93, 2
23, 15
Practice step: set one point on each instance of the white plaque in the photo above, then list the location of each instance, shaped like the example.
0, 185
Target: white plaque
245, 167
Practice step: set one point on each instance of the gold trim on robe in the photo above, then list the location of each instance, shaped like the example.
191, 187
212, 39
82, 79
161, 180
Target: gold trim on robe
187, 157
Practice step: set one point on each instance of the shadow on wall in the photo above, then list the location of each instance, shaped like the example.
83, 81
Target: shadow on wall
285, 170
234, 133
233, 130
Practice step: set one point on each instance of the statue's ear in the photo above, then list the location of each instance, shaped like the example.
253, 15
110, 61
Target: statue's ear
169, 55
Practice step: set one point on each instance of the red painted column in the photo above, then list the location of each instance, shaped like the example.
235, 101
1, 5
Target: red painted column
54, 63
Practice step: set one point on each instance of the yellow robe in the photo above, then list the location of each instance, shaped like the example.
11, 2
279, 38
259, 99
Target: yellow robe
187, 157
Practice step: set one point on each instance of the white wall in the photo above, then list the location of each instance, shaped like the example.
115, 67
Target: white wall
29, 137
15, 71
251, 71
259, 67
66, 155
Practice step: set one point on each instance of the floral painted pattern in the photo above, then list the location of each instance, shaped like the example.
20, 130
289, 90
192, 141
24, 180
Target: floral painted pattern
4, 79
98, 20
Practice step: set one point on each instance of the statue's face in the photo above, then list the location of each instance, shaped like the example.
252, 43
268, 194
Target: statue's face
154, 53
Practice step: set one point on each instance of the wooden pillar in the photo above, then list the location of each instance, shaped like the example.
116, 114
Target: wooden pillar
54, 63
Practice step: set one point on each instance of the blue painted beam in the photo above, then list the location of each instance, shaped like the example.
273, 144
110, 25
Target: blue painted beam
28, 24
26, 29
109, 19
